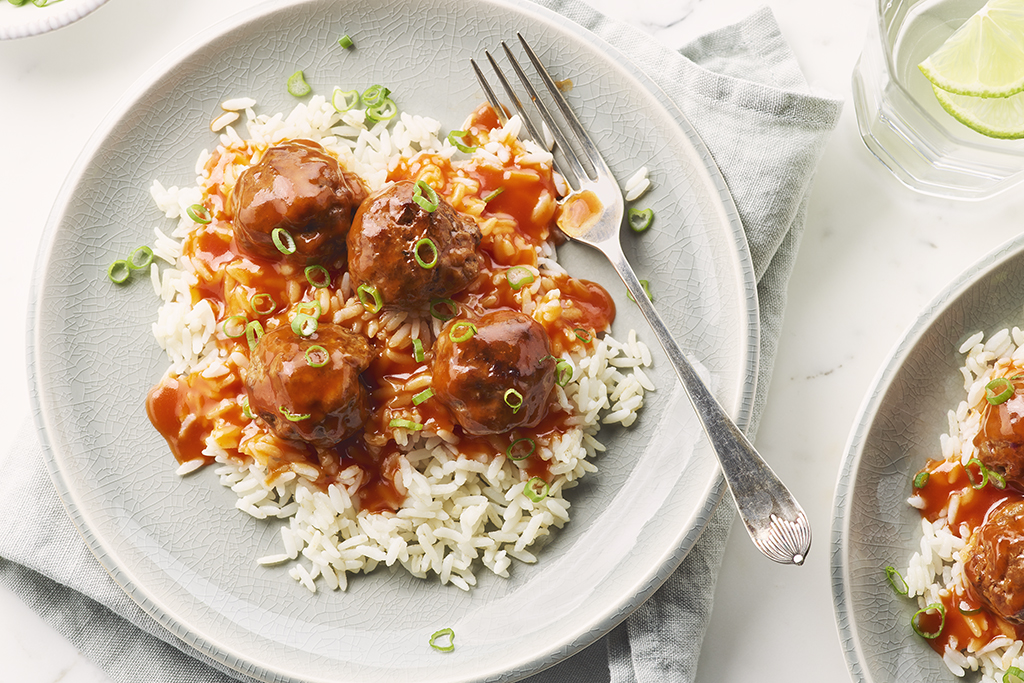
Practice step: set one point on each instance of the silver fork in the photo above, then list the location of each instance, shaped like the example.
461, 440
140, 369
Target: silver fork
592, 214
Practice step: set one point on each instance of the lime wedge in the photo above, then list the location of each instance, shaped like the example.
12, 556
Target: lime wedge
996, 117
985, 57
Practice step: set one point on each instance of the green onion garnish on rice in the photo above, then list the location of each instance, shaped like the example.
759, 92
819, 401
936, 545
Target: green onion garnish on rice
234, 326
369, 297
431, 249
429, 202
461, 331
640, 220
382, 111
999, 390
996, 479
253, 333
343, 100
345, 41
891, 575
494, 194
417, 350
314, 308
582, 334
1013, 675
920, 479
406, 424
455, 139
536, 489
119, 272
318, 276
976, 484
262, 303
304, 325
520, 449
246, 410
936, 607
297, 85
563, 372
422, 396
517, 276
438, 306
317, 356
135, 263
965, 609
375, 94
438, 640
199, 214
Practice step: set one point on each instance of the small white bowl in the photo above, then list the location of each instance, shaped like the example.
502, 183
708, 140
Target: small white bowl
29, 20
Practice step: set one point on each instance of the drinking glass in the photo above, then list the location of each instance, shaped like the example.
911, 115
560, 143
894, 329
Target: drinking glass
902, 122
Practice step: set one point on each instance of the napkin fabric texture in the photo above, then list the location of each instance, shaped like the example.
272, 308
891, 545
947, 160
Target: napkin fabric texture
742, 90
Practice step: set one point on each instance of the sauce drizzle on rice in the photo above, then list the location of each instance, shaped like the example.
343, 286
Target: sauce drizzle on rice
367, 491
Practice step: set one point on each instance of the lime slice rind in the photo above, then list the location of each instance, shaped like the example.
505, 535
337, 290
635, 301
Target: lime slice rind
995, 117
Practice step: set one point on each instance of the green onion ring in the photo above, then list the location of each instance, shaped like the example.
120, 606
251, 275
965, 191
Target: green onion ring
647, 290
417, 350
582, 335
920, 479
199, 214
343, 100
297, 86
969, 612
429, 243
406, 424
454, 140
253, 333
563, 372
147, 258
283, 240
999, 390
938, 607
437, 305
316, 309
292, 417
984, 474
321, 356
345, 41
370, 298
119, 272
262, 303
246, 410
1015, 672
517, 276
375, 94
382, 111
891, 574
422, 396
524, 456
304, 325
640, 220
533, 493
428, 203
318, 276
438, 635
470, 330
242, 323
996, 479
494, 194
514, 400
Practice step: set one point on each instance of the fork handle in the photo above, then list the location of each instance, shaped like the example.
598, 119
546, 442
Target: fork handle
775, 521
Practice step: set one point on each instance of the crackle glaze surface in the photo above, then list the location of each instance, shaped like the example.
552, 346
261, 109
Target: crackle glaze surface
178, 546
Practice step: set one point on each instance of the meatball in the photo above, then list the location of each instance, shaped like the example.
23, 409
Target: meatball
308, 388
382, 248
300, 188
473, 377
994, 561
1000, 441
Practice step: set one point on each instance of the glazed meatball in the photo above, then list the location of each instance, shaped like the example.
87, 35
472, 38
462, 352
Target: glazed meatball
308, 388
382, 245
299, 187
994, 561
1000, 440
508, 350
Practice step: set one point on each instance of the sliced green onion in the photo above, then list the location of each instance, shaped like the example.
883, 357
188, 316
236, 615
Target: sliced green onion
417, 350
199, 214
647, 290
920, 479
246, 410
517, 276
999, 390
536, 489
422, 396
228, 328
454, 138
520, 455
891, 575
314, 308
119, 272
1013, 675
563, 372
253, 334
582, 335
970, 476
292, 417
640, 220
318, 276
304, 325
317, 356
297, 85
406, 424
468, 330
438, 636
431, 247
262, 303
514, 400
969, 612
428, 203
343, 100
494, 194
369, 297
936, 607
382, 111
345, 41
996, 479
283, 240
375, 94
437, 309
147, 258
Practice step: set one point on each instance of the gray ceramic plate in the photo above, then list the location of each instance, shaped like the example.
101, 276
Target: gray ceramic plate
180, 549
898, 431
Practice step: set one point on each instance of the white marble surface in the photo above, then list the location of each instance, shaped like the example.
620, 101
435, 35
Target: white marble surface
874, 253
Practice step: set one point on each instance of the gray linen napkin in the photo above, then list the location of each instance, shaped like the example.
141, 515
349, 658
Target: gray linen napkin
742, 90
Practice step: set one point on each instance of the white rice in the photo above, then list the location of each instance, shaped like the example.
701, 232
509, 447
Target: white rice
459, 514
